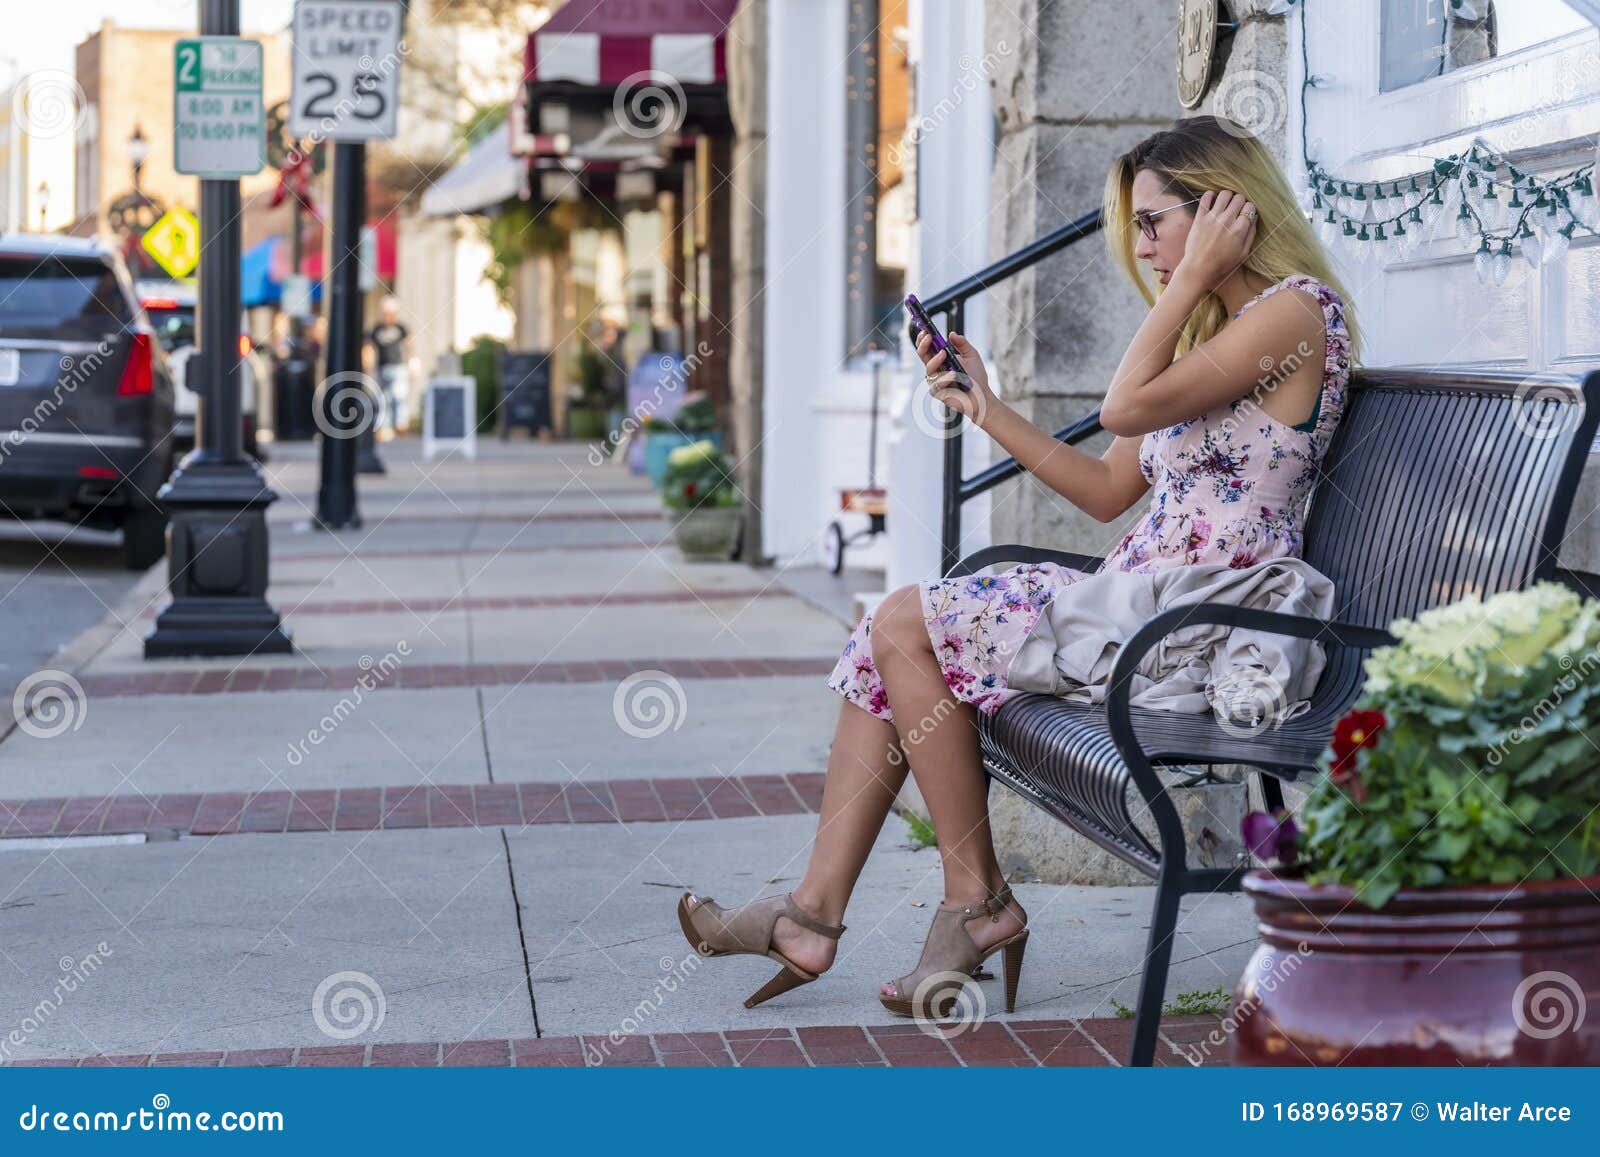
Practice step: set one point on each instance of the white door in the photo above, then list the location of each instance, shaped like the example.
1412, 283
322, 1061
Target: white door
1404, 82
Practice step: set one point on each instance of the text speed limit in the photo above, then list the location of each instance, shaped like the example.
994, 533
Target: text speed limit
347, 57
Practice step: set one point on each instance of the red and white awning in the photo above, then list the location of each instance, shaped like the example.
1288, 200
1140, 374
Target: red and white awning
607, 42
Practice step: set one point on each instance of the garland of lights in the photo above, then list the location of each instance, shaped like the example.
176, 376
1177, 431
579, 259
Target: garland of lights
1497, 203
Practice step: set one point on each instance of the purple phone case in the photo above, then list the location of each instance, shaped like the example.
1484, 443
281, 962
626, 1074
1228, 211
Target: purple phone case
920, 316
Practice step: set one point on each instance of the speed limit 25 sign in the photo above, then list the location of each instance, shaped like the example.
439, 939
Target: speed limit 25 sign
346, 69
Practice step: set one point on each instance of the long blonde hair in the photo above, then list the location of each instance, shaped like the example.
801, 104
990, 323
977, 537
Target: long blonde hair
1207, 152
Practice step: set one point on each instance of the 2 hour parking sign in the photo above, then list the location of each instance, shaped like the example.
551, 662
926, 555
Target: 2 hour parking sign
346, 69
218, 119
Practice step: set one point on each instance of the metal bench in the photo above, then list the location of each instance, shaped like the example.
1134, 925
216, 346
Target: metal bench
1436, 486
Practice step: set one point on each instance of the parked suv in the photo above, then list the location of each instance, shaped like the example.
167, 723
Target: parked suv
170, 306
86, 401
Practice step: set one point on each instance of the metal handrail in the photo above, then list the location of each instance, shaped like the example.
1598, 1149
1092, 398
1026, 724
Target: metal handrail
952, 303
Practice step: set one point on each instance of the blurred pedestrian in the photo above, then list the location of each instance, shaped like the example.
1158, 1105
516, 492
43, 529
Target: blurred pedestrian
392, 356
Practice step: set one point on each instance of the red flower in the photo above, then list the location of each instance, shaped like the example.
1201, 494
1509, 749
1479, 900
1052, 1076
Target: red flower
689, 489
1356, 730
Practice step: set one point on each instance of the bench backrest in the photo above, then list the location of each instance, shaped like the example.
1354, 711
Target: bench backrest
1439, 485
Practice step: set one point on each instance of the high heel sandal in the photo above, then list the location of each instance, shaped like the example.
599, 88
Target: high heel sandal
949, 954
713, 930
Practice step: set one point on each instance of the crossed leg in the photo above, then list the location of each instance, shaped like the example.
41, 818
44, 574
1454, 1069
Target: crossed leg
937, 734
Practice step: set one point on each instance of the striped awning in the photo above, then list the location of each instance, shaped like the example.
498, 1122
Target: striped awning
604, 43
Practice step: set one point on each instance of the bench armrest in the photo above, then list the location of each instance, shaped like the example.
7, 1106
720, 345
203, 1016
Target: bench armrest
1119, 716
1018, 553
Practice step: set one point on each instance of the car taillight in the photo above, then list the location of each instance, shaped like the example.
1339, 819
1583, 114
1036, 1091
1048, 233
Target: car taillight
138, 375
159, 303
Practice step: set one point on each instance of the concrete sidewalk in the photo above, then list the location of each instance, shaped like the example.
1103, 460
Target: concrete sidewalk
516, 725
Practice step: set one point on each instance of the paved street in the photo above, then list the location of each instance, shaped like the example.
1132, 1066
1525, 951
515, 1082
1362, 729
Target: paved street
55, 582
516, 725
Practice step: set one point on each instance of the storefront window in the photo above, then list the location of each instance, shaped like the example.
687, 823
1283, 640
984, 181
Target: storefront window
1421, 39
878, 213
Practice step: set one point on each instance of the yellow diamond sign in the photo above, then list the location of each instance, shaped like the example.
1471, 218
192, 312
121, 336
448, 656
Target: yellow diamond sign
174, 241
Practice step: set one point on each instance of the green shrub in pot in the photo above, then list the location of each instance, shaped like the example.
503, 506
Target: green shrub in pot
1472, 755
698, 475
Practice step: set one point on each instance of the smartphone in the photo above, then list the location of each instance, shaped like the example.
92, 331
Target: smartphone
921, 320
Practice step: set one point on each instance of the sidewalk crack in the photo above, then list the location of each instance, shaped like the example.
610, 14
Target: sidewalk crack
522, 937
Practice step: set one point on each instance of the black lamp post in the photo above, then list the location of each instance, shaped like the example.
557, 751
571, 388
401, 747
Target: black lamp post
138, 151
217, 497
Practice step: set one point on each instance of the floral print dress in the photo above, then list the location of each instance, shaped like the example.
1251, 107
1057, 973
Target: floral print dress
1229, 486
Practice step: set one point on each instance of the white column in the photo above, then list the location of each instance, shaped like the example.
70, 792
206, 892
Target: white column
953, 162
804, 323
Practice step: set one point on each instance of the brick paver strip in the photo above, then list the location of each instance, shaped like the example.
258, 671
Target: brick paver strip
459, 552
522, 602
406, 806
421, 676
900, 1045
600, 514
461, 499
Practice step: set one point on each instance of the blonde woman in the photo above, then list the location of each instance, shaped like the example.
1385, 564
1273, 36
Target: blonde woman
1223, 406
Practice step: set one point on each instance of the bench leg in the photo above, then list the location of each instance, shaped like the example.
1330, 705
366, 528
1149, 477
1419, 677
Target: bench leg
1271, 790
1153, 983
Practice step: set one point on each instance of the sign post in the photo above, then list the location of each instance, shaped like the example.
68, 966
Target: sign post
217, 498
347, 57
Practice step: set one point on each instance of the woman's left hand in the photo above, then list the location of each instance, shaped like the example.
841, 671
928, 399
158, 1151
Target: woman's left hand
1221, 237
966, 392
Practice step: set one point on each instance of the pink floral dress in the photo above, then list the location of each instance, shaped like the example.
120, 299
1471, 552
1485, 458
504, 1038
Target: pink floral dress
1228, 486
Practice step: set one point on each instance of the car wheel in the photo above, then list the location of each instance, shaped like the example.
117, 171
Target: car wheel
144, 537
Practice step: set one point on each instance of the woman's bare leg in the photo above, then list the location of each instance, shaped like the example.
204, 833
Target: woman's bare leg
939, 736
865, 773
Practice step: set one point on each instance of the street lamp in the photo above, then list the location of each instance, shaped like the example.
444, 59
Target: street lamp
138, 151
43, 196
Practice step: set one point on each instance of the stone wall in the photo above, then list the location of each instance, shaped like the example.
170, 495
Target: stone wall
747, 104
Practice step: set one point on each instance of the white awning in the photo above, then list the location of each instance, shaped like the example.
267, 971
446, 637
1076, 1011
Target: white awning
486, 176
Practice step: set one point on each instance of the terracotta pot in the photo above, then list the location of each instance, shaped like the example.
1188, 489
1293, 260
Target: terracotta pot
1488, 975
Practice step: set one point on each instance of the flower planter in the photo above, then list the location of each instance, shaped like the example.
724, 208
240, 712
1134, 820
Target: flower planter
1474, 975
659, 443
707, 534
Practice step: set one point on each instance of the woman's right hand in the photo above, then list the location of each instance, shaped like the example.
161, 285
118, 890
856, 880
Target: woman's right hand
974, 400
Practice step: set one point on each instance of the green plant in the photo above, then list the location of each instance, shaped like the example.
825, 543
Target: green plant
522, 229
481, 363
1211, 1002
921, 832
698, 475
696, 417
482, 121
1468, 758
589, 373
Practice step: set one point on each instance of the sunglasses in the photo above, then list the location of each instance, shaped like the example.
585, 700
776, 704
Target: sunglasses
1145, 219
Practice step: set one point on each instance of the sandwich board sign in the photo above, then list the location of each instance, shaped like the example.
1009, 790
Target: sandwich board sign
346, 69
450, 417
219, 123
